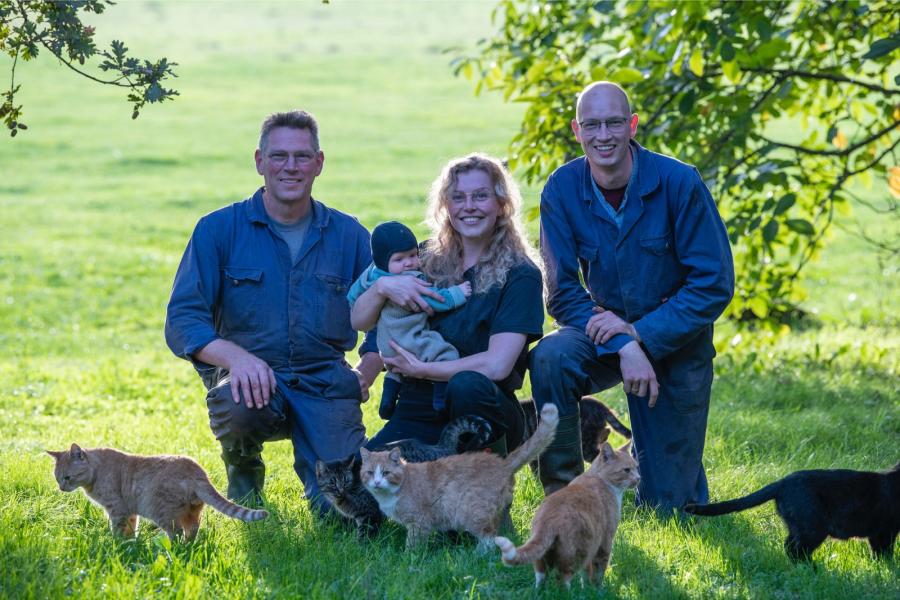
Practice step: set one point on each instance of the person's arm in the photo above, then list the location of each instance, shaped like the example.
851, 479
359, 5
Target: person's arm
701, 245
368, 368
403, 290
251, 378
495, 363
567, 300
451, 297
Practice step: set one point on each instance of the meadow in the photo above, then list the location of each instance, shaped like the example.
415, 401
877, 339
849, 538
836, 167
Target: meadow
95, 210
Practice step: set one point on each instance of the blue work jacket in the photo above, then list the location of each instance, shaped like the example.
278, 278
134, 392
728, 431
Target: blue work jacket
668, 269
236, 281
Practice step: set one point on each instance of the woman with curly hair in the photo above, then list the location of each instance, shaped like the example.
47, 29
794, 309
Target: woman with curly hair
477, 236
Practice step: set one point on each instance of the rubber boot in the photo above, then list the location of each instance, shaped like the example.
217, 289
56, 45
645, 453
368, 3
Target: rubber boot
562, 462
246, 476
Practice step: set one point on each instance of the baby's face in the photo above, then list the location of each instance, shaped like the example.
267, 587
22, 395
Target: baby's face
404, 261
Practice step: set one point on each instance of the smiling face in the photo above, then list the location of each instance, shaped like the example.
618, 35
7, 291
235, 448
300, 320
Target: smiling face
473, 206
289, 165
607, 151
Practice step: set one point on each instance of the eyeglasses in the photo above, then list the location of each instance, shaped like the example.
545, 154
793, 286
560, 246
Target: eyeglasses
280, 158
477, 196
614, 125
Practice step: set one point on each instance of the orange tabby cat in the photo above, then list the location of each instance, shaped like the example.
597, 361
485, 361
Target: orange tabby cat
574, 527
168, 490
466, 491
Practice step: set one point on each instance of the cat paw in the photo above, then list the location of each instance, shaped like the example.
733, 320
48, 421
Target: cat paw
550, 413
507, 548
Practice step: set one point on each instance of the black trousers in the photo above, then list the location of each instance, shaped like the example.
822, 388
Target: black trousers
468, 393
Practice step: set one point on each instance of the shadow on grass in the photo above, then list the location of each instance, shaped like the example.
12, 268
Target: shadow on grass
741, 545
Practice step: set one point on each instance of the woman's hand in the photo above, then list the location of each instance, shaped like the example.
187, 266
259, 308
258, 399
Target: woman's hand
405, 363
407, 291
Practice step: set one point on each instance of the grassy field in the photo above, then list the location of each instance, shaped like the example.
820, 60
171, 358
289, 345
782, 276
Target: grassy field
95, 210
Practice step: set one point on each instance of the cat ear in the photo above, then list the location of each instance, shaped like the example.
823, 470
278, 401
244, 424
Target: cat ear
76, 452
54, 454
395, 455
364, 454
320, 469
607, 452
626, 447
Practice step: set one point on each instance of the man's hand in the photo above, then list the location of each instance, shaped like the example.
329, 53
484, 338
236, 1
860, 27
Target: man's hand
407, 291
605, 324
638, 377
367, 370
251, 378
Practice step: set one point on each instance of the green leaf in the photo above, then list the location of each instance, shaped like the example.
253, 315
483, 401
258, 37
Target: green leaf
759, 306
696, 62
732, 71
627, 75
770, 231
726, 51
686, 104
785, 203
801, 226
882, 47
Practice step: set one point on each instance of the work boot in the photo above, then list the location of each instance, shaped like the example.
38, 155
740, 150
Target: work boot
562, 462
246, 476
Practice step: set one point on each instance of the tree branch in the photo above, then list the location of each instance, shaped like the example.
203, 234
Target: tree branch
843, 152
825, 76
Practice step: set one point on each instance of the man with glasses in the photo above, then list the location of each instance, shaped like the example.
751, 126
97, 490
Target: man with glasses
259, 306
641, 232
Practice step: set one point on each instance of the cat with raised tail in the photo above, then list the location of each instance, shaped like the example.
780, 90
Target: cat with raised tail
467, 492
170, 491
574, 527
819, 503
342, 485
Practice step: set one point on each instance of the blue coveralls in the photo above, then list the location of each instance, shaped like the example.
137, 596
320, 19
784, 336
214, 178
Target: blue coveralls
236, 281
666, 267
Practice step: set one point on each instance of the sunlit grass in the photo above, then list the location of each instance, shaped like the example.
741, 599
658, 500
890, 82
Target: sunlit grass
95, 210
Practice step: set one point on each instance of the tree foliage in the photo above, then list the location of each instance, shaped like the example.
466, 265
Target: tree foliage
28, 26
781, 105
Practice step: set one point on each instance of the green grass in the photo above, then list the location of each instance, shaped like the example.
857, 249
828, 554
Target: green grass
95, 210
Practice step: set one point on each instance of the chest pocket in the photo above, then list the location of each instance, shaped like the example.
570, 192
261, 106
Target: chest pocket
242, 298
658, 268
333, 310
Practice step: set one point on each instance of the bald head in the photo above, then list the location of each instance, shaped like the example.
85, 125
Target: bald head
605, 91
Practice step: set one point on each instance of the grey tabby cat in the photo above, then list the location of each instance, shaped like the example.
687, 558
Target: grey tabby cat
342, 486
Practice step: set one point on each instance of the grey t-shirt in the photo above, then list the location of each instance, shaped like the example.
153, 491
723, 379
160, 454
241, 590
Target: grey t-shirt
293, 234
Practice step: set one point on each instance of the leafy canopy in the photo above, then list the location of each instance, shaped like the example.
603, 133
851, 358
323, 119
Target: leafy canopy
720, 85
28, 26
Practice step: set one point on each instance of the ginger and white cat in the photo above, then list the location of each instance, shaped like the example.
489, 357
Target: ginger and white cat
462, 492
168, 490
574, 527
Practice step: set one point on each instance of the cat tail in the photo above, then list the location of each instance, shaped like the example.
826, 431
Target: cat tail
729, 506
478, 427
538, 442
610, 417
206, 492
535, 548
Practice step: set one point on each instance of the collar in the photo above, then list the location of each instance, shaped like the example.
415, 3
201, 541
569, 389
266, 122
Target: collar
643, 163
256, 211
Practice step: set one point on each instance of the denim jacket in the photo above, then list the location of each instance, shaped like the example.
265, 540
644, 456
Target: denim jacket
236, 281
667, 269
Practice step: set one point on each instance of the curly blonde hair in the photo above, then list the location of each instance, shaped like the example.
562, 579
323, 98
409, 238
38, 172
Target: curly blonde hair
442, 260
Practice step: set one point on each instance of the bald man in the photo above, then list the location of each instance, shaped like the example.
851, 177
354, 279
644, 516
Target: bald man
638, 269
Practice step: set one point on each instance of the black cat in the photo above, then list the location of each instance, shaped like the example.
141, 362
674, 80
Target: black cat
340, 483
594, 419
815, 504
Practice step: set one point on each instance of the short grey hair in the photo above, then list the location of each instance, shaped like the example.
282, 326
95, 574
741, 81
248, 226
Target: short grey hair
294, 119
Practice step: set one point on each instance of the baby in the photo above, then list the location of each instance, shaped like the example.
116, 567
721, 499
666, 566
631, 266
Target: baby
395, 251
